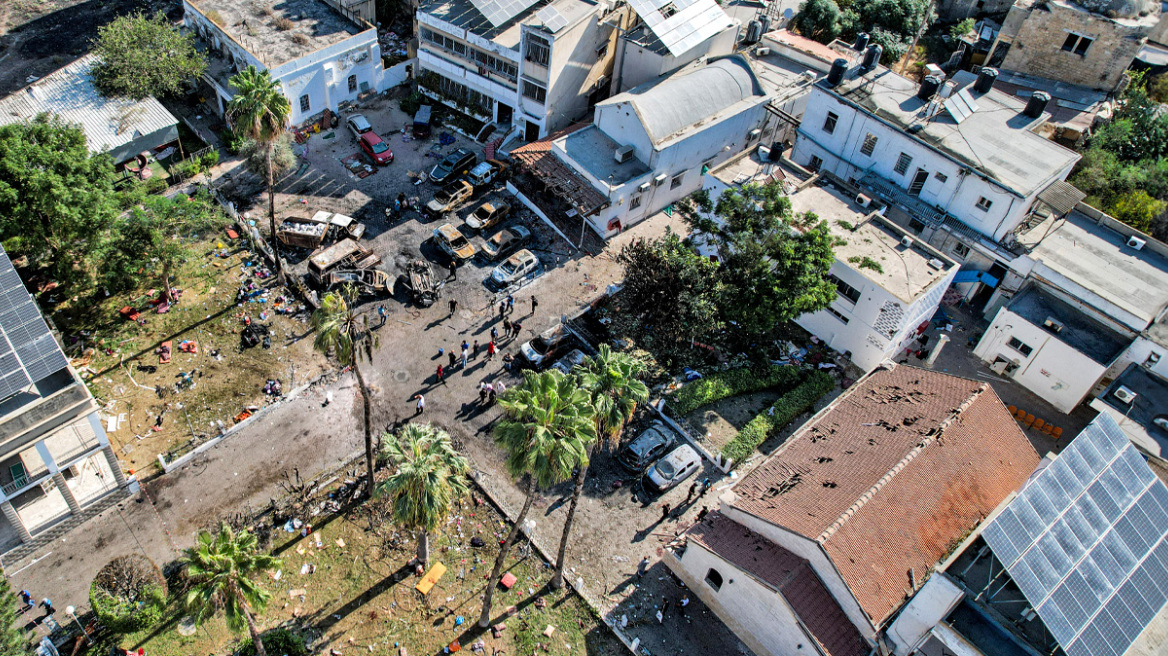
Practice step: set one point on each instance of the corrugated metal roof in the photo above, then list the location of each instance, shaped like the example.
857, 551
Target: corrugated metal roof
1062, 196
69, 93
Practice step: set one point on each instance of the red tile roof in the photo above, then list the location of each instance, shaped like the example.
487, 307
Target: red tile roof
892, 477
789, 575
537, 158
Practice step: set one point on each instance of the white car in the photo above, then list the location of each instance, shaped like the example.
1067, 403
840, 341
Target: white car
358, 125
680, 464
573, 359
516, 267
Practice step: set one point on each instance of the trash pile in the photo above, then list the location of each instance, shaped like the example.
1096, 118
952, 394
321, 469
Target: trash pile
393, 45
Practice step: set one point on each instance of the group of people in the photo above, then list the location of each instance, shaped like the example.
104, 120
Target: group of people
28, 603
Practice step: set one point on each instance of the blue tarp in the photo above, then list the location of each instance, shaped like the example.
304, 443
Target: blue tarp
976, 276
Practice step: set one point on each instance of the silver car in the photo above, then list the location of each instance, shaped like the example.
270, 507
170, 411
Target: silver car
680, 464
573, 359
358, 125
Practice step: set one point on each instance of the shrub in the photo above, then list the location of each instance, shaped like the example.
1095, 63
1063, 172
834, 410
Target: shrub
283, 24
280, 642
209, 159
725, 384
156, 185
128, 594
786, 408
188, 169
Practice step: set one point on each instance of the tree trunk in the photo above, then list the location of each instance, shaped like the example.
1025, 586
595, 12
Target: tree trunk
497, 572
557, 581
255, 633
368, 420
272, 214
424, 549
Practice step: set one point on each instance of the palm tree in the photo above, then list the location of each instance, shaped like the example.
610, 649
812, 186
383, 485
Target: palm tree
261, 111
220, 567
429, 478
545, 432
611, 380
341, 329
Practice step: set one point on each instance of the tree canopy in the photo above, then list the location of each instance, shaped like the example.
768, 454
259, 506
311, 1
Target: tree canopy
890, 23
13, 639
145, 56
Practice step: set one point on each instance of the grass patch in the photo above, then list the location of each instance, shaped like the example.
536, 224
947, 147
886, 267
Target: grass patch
732, 382
866, 262
789, 406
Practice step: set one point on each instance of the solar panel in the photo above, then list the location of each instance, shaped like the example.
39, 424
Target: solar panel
1086, 541
552, 19
961, 105
28, 351
681, 24
499, 12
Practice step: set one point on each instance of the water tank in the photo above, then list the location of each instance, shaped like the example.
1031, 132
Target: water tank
985, 79
929, 87
861, 42
872, 56
836, 74
765, 22
1037, 104
753, 31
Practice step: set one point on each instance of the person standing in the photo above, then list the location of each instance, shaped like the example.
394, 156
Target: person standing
381, 313
500, 388
702, 513
453, 306
453, 270
474, 352
441, 374
510, 303
682, 604
665, 511
28, 600
706, 484
464, 354
508, 361
421, 407
534, 304
464, 345
48, 606
453, 359
515, 328
689, 495
494, 333
502, 309
506, 327
483, 386
642, 567
491, 350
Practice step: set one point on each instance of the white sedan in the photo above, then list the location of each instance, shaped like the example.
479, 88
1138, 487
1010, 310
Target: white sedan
517, 266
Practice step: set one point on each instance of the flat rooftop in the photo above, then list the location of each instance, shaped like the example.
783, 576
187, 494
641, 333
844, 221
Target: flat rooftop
997, 139
562, 14
779, 73
1081, 332
1098, 258
595, 151
258, 25
1151, 402
1071, 105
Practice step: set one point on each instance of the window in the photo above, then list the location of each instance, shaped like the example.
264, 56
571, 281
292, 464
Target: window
352, 83
1152, 360
984, 204
635, 202
1077, 44
941, 177
869, 144
668, 10
602, 50
305, 103
829, 122
961, 250
1019, 346
845, 290
916, 226
676, 182
815, 163
714, 579
534, 91
837, 315
902, 163
538, 50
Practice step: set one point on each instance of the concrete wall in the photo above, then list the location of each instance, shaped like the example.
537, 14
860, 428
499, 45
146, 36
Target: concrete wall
936, 598
1054, 370
1138, 352
576, 69
1036, 49
754, 611
637, 64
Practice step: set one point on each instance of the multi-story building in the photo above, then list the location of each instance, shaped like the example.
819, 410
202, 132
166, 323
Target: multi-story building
320, 53
55, 458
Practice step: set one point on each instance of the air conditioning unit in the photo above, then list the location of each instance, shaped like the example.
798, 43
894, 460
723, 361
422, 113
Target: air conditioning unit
623, 154
936, 264
644, 186
762, 51
907, 242
1136, 243
660, 179
754, 134
1124, 394
862, 200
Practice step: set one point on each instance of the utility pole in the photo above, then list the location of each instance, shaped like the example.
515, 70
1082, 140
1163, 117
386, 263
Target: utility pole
920, 32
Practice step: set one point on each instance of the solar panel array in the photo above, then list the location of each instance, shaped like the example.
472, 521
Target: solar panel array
961, 105
1086, 541
681, 24
552, 19
499, 12
28, 351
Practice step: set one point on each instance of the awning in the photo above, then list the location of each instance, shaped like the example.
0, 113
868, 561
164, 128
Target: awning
1062, 196
976, 276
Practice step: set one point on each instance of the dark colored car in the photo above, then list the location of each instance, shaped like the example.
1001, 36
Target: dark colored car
453, 165
541, 351
375, 148
636, 456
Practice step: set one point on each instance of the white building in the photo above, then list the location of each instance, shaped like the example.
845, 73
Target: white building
888, 280
817, 549
320, 54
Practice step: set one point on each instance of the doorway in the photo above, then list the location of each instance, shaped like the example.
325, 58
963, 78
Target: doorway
918, 182
532, 132
504, 113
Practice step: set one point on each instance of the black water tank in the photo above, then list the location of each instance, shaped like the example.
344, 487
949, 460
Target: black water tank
1037, 104
929, 87
836, 74
872, 56
765, 22
753, 31
861, 42
985, 79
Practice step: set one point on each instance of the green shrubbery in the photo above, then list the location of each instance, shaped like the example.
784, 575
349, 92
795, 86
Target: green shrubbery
128, 594
280, 642
733, 382
785, 409
156, 185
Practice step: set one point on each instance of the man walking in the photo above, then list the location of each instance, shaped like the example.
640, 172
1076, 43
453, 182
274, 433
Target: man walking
453, 270
702, 513
515, 327
510, 303
642, 567
491, 350
381, 313
48, 606
464, 354
421, 404
689, 495
453, 359
502, 309
474, 352
28, 600
453, 306
506, 327
534, 304
665, 511
441, 374
494, 333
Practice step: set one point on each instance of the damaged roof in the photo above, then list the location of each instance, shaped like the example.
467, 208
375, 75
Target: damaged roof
537, 158
891, 477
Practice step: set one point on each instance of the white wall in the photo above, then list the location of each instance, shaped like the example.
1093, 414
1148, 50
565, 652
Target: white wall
323, 75
638, 65
1054, 371
755, 612
1138, 352
928, 606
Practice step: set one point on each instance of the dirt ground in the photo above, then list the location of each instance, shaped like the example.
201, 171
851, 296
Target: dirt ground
722, 420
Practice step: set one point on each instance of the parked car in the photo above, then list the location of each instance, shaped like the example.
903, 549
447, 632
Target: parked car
636, 456
505, 241
573, 359
450, 240
375, 148
680, 464
448, 198
486, 173
358, 125
545, 348
516, 267
453, 165
488, 215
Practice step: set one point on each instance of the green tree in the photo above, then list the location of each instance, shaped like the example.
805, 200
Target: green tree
429, 476
818, 20
611, 380
341, 329
775, 264
54, 196
961, 28
13, 639
261, 111
128, 594
220, 568
145, 56
1137, 209
544, 433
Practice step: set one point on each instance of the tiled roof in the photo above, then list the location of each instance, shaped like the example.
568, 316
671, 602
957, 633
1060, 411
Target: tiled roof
892, 477
537, 158
787, 573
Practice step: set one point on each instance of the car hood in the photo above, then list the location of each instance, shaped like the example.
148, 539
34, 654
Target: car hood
530, 353
466, 252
